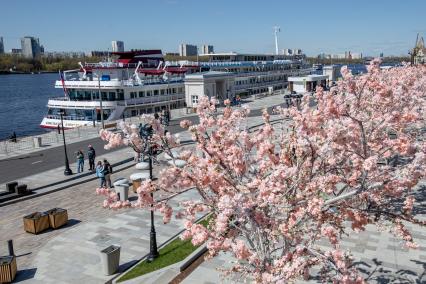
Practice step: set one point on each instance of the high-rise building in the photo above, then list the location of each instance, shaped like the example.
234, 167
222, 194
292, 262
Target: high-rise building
356, 55
1, 45
30, 47
297, 51
188, 50
207, 49
117, 46
288, 51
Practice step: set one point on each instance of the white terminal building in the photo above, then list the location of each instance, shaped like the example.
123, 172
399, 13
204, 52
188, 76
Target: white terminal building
306, 84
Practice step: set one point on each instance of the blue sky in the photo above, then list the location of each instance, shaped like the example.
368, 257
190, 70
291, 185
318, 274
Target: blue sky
330, 26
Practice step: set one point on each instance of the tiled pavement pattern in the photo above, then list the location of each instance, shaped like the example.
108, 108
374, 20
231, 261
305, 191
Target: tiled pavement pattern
86, 232
73, 257
71, 254
379, 256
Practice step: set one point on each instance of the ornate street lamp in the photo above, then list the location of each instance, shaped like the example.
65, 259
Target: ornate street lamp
146, 132
67, 170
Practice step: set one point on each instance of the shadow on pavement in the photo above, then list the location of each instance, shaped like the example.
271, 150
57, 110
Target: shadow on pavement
25, 274
377, 273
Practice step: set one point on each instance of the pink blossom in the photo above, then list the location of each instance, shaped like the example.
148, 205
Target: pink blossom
240, 249
318, 172
185, 123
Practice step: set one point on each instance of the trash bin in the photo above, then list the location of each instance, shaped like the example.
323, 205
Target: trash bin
37, 142
121, 186
110, 259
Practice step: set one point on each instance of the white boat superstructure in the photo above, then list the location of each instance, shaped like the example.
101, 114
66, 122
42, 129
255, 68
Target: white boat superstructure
139, 82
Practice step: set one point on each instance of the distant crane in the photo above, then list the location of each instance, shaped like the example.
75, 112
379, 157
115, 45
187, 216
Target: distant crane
276, 31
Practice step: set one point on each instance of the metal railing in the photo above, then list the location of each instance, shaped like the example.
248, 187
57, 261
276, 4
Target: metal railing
24, 144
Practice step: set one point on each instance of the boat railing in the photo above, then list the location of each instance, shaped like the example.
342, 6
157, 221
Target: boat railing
228, 63
60, 99
152, 100
116, 65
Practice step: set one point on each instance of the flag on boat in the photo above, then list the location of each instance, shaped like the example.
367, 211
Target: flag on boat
63, 83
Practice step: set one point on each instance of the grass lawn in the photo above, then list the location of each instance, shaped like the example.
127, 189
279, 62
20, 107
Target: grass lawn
177, 250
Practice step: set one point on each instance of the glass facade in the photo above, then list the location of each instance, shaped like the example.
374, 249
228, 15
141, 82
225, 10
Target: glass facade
93, 95
78, 114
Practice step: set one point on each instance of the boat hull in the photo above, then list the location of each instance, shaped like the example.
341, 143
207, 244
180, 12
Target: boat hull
51, 123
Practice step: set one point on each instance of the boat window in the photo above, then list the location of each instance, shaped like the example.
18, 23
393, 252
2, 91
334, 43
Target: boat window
162, 91
111, 96
141, 94
155, 92
120, 94
76, 114
148, 93
104, 96
80, 95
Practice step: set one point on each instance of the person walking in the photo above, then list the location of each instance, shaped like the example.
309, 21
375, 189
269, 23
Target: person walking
168, 115
80, 161
107, 173
91, 155
100, 174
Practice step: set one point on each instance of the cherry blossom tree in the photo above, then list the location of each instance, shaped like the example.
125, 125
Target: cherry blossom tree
350, 154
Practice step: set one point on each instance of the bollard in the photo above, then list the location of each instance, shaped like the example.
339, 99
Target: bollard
10, 247
5, 147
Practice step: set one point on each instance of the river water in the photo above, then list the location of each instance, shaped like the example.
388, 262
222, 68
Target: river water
23, 100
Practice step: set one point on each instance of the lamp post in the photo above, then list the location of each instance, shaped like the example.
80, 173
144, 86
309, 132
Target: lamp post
153, 251
146, 132
100, 100
67, 170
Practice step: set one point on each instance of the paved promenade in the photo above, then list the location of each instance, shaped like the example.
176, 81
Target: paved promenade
71, 254
73, 251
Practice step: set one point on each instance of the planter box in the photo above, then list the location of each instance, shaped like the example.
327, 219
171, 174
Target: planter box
36, 222
57, 217
7, 269
136, 184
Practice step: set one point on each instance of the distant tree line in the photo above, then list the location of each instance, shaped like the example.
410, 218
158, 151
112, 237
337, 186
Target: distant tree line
16, 63
390, 59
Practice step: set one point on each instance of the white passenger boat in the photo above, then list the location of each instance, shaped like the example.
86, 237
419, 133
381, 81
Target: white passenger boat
138, 82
